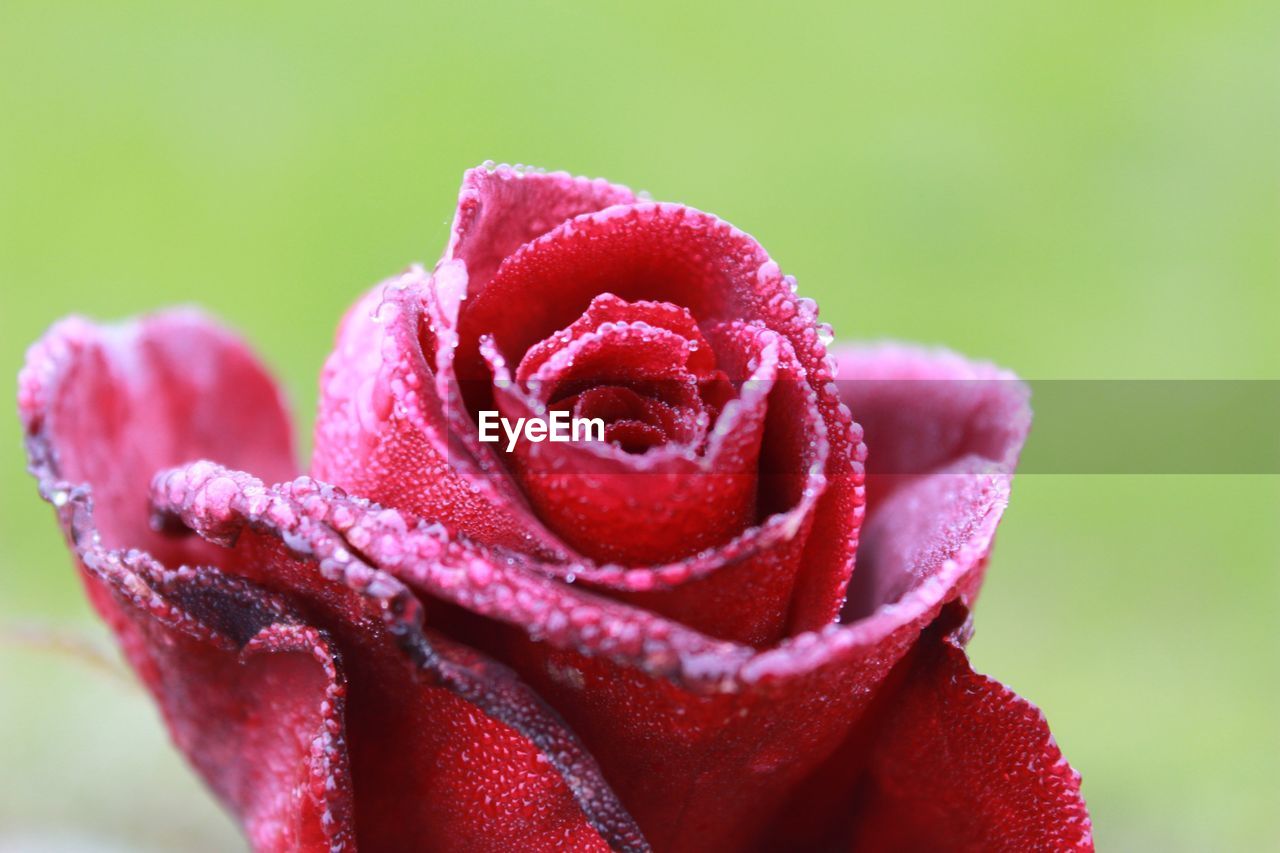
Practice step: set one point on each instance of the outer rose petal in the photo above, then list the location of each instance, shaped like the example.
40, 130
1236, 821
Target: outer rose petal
924, 412
253, 696
964, 764
449, 750
117, 403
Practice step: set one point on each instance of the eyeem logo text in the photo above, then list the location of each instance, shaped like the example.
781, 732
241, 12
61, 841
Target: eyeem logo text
559, 427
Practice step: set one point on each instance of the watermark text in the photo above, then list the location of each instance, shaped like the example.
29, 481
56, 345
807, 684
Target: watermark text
559, 426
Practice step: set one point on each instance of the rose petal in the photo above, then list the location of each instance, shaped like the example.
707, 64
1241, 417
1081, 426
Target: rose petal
117, 403
968, 765
964, 764
607, 308
924, 412
502, 208
944, 759
252, 695
645, 252
381, 432
921, 409
447, 747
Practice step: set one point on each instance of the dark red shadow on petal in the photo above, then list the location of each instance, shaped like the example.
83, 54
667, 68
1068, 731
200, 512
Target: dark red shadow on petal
253, 696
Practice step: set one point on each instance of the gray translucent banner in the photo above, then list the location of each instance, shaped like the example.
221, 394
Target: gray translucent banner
1079, 426
1154, 427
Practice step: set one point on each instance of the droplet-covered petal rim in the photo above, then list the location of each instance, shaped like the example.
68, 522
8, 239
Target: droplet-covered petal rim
942, 565
500, 208
346, 532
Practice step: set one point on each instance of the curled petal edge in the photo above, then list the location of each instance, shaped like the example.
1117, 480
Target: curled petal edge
214, 501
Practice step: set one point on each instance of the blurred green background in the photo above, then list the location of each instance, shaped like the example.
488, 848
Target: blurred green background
1078, 190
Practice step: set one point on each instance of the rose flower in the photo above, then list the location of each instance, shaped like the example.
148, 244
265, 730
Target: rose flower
733, 621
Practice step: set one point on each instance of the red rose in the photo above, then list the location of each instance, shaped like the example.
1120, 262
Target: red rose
655, 640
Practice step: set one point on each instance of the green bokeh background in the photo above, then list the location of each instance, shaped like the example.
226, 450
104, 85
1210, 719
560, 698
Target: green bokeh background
1079, 190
